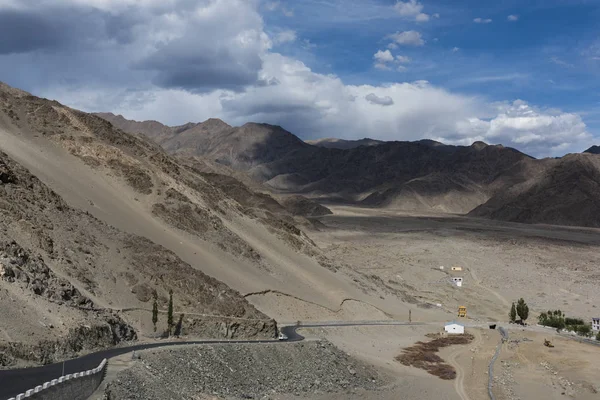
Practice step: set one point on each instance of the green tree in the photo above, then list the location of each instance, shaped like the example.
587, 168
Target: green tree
584, 330
170, 312
522, 310
513, 313
598, 336
155, 310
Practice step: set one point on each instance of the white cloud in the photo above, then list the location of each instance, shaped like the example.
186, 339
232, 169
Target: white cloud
521, 125
286, 36
273, 88
383, 56
412, 9
384, 59
455, 49
513, 18
392, 46
407, 38
382, 101
482, 20
421, 17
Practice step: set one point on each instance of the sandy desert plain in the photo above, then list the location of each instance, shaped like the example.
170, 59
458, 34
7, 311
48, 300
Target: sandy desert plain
551, 267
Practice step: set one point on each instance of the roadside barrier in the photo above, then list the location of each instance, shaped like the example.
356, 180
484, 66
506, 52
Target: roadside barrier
78, 386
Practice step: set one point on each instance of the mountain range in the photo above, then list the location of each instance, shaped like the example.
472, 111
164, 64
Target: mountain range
481, 180
96, 222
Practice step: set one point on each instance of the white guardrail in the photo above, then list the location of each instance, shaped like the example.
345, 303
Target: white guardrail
56, 382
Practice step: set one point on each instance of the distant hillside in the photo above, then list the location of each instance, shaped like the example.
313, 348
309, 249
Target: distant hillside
333, 143
593, 150
483, 180
566, 193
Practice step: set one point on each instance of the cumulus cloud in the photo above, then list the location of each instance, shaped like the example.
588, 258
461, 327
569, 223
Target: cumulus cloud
528, 128
513, 18
384, 60
383, 56
412, 9
179, 60
482, 20
382, 101
407, 38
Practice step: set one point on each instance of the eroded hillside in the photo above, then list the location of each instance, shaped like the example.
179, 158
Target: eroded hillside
216, 224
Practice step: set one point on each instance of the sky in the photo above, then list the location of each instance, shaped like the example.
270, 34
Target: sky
525, 74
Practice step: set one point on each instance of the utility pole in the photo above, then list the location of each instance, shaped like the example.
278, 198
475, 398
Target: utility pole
409, 315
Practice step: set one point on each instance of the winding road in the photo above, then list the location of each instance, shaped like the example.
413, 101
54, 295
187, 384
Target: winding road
15, 381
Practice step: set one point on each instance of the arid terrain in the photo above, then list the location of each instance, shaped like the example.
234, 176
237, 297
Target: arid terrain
96, 220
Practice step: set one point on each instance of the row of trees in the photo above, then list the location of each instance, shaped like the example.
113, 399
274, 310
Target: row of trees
170, 322
557, 319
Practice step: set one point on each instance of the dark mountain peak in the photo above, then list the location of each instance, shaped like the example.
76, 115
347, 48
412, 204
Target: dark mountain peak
593, 150
479, 145
334, 143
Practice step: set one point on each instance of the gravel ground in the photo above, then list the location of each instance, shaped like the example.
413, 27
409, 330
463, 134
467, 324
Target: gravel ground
243, 372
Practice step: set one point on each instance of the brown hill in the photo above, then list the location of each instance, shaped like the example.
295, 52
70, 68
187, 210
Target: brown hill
567, 192
94, 220
422, 175
150, 221
333, 143
413, 176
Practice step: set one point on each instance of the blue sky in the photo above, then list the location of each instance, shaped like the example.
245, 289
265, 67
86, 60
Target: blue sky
525, 74
547, 53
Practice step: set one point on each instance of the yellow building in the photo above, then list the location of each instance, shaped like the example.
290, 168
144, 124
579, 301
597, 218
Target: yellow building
462, 311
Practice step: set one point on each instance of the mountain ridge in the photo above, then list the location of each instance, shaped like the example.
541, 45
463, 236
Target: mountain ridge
423, 175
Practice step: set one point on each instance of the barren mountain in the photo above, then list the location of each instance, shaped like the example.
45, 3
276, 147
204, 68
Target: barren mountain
153, 129
567, 192
333, 143
412, 176
593, 150
423, 175
150, 221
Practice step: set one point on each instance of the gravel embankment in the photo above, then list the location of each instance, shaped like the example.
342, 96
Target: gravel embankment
243, 372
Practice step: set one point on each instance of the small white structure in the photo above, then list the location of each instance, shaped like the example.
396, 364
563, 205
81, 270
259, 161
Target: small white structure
457, 280
456, 268
596, 324
454, 328
441, 267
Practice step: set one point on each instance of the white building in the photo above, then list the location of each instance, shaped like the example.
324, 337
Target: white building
454, 328
596, 324
457, 281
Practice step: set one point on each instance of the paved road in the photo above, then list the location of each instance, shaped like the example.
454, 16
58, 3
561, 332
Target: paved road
15, 381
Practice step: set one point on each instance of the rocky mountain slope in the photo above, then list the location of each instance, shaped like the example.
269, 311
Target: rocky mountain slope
157, 222
61, 268
425, 175
422, 175
567, 192
593, 150
333, 143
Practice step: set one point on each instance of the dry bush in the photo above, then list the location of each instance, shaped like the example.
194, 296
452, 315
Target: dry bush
423, 355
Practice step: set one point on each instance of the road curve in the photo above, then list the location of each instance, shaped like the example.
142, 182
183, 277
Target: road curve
15, 381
